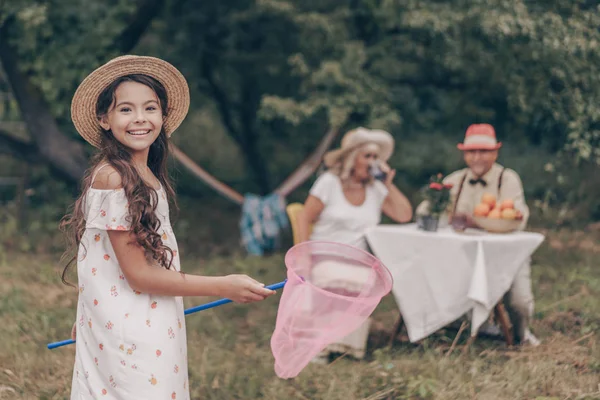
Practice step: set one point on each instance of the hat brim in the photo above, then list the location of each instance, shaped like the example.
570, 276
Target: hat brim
384, 140
83, 105
474, 146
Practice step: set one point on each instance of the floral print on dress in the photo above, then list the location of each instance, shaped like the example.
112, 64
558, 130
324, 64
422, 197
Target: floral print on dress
124, 353
131, 349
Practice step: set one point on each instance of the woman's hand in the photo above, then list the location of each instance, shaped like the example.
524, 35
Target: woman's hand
389, 173
74, 331
396, 205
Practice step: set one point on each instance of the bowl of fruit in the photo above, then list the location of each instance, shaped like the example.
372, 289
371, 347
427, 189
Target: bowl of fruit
497, 216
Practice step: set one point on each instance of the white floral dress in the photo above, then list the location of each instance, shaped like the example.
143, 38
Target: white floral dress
130, 345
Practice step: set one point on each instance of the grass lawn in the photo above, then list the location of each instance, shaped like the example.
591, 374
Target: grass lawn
230, 356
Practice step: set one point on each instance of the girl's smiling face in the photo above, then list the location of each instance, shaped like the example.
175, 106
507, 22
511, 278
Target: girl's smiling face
135, 117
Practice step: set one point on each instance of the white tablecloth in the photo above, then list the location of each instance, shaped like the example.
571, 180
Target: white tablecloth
440, 276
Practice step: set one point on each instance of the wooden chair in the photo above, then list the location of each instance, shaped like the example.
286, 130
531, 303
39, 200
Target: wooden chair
293, 210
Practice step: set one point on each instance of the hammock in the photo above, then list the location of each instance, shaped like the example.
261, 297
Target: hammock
263, 217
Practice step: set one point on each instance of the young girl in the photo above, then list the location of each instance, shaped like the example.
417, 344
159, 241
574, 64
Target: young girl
130, 327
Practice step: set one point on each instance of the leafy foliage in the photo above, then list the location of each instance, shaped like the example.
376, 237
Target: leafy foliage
274, 75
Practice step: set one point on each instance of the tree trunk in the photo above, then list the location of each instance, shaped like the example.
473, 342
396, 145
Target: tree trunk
62, 153
146, 12
244, 133
67, 155
250, 140
17, 148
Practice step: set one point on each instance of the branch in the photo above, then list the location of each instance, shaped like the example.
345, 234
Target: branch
17, 148
308, 166
64, 154
204, 176
223, 102
146, 12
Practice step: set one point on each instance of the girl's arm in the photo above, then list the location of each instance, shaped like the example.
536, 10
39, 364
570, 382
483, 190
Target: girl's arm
146, 278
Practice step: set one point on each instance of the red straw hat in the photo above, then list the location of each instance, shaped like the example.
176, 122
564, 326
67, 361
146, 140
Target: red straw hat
480, 137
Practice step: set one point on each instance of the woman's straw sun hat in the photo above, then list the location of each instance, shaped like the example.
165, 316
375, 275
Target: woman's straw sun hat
358, 137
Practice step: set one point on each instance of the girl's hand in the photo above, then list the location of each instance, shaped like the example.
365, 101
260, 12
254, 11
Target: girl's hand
74, 331
243, 289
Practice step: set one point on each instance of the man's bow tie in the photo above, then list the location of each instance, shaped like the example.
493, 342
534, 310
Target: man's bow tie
476, 181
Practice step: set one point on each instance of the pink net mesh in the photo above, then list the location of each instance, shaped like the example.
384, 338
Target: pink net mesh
331, 290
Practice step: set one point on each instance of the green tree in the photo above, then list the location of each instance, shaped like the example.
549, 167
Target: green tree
45, 50
530, 68
280, 73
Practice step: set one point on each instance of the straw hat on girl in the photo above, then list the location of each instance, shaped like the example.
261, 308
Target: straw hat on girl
83, 106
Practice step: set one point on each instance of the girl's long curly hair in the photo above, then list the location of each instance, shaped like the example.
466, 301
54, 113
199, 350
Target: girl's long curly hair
142, 198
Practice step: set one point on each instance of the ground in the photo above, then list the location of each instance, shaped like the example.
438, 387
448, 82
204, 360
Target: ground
230, 356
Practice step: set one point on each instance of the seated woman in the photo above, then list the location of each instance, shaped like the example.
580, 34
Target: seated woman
347, 200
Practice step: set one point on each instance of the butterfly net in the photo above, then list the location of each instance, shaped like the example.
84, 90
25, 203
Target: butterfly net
331, 290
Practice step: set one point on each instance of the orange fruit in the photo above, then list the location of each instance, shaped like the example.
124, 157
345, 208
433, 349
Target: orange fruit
481, 210
489, 199
495, 214
509, 213
506, 204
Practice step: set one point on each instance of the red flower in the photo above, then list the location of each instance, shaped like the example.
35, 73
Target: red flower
448, 186
435, 186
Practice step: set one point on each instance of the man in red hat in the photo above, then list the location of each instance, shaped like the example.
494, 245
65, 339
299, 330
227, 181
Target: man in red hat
484, 176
